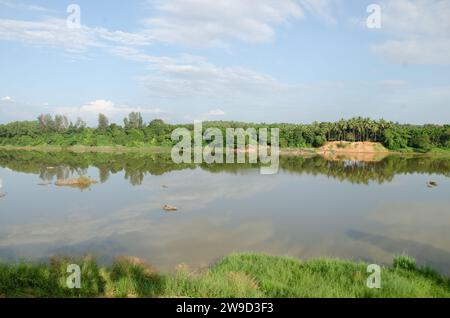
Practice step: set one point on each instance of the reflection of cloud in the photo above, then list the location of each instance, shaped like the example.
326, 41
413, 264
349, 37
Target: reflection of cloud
204, 188
426, 222
198, 241
423, 253
146, 231
70, 231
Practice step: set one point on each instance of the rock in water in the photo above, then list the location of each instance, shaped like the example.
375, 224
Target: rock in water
432, 184
169, 208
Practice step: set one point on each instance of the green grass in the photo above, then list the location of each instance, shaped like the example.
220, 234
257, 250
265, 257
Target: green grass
238, 275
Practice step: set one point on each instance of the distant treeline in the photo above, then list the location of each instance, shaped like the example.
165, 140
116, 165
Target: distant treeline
59, 131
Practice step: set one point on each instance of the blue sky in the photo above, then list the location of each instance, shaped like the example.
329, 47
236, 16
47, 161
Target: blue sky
249, 60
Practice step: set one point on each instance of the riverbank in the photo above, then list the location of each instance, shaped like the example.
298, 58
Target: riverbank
90, 149
238, 275
364, 151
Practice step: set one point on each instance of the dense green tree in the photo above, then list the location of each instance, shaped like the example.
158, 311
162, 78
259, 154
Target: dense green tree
421, 141
103, 122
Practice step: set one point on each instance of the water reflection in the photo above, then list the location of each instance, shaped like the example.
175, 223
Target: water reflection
63, 165
314, 207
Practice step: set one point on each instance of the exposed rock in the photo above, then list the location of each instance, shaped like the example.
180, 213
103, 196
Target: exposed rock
170, 208
431, 184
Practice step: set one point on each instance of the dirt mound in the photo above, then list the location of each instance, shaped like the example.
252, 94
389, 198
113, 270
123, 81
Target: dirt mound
353, 147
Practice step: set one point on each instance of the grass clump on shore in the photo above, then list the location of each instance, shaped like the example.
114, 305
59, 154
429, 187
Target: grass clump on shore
50, 280
238, 275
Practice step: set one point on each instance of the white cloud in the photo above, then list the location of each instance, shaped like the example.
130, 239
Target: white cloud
54, 32
203, 23
320, 8
23, 6
216, 112
419, 32
189, 75
212, 23
51, 32
191, 22
7, 99
425, 51
393, 83
106, 107
168, 77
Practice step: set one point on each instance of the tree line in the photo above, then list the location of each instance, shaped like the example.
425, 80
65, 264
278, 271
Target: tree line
134, 132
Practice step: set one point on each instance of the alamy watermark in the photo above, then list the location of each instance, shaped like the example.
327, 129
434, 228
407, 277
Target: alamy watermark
74, 279
233, 148
73, 21
374, 279
374, 19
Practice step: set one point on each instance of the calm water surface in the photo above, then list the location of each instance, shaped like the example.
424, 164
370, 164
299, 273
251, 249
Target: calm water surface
313, 208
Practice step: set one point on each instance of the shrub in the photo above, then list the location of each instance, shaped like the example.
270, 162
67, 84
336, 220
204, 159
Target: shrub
404, 262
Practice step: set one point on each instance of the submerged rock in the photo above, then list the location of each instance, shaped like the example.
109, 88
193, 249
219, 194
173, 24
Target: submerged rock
170, 208
2, 195
432, 184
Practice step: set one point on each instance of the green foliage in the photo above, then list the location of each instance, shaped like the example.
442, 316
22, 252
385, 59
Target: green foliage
238, 275
50, 280
395, 138
319, 141
404, 262
135, 133
103, 122
421, 142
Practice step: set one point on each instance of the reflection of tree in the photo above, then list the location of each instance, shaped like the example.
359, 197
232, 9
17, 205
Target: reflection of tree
365, 172
62, 165
135, 177
103, 173
61, 172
